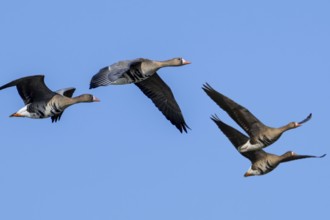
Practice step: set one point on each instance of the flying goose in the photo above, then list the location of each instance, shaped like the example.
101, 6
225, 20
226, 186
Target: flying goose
142, 72
41, 102
260, 135
262, 162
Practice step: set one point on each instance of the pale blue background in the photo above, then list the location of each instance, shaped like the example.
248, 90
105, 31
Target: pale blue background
120, 159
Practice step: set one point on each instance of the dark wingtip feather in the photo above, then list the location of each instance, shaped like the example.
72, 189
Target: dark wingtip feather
306, 119
323, 156
93, 83
212, 93
183, 127
15, 82
215, 117
217, 121
206, 87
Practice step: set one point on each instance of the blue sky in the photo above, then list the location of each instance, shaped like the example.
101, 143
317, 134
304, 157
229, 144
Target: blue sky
120, 159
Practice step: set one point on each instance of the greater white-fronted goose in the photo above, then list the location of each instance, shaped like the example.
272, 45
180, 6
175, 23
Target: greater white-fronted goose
142, 72
260, 135
262, 162
41, 102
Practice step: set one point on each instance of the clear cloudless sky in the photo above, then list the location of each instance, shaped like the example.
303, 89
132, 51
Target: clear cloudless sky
120, 159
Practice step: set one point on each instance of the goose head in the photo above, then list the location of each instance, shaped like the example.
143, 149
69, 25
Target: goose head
179, 61
183, 61
293, 125
86, 98
289, 154
298, 124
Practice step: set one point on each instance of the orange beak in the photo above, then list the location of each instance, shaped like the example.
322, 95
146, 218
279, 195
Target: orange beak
247, 174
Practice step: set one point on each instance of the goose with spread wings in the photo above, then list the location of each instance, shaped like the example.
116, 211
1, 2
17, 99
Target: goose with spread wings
261, 161
260, 135
41, 102
143, 73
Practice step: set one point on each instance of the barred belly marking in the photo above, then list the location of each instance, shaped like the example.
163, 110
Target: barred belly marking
52, 109
265, 167
135, 77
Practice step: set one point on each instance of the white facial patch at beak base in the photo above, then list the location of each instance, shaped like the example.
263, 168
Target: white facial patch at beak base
184, 62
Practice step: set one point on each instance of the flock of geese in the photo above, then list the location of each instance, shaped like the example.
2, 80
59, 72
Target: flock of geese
41, 102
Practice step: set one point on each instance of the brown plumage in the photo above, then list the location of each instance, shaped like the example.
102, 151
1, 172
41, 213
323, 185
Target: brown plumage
261, 161
143, 72
260, 135
41, 102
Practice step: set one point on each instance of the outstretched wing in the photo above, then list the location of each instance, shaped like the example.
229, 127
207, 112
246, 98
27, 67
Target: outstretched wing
68, 92
161, 95
243, 117
298, 157
110, 74
31, 89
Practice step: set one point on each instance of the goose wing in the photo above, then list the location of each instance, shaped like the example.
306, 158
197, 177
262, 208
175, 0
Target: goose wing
110, 74
161, 95
238, 139
31, 89
298, 157
68, 92
242, 116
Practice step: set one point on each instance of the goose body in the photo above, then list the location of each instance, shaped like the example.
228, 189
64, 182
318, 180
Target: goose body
143, 73
41, 102
260, 135
125, 72
261, 161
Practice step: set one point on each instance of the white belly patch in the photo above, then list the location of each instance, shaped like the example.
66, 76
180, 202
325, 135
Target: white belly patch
249, 147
